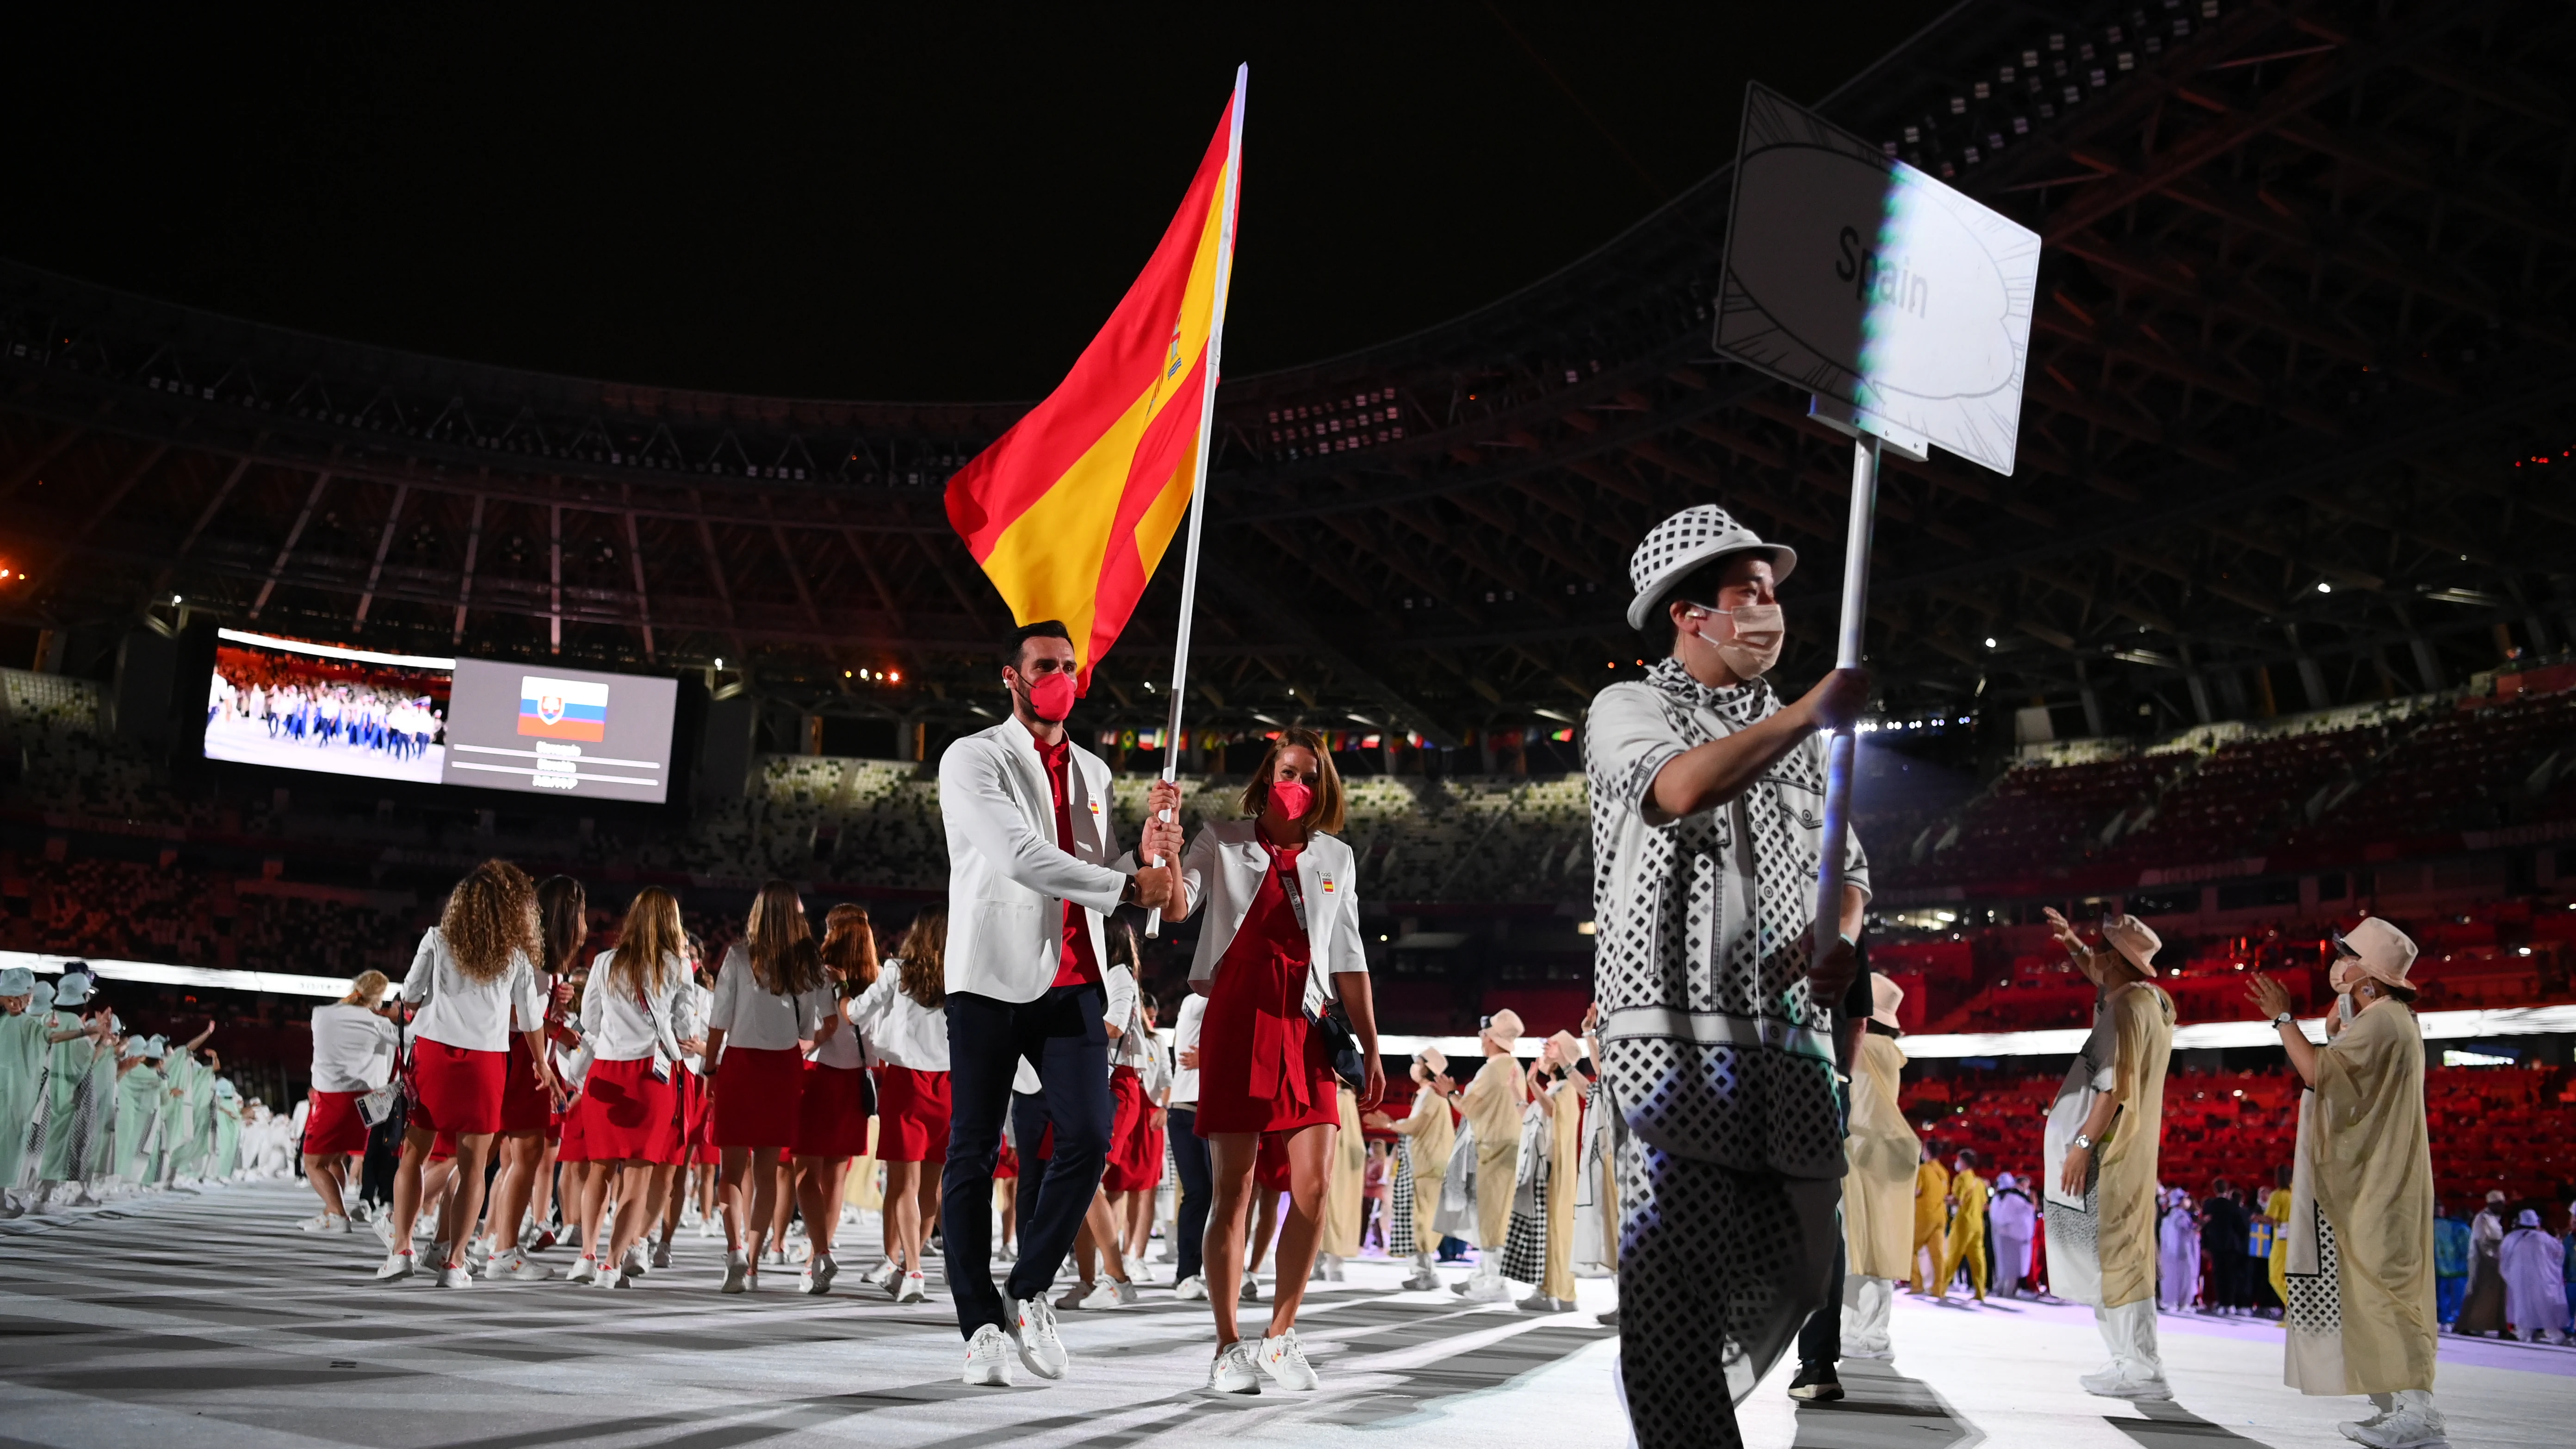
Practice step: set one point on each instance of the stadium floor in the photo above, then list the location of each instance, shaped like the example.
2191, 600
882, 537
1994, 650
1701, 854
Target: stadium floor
206, 1320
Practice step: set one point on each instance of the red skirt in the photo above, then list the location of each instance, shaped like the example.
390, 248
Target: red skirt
442, 1148
1006, 1163
573, 1146
1270, 1161
456, 1090
1261, 1068
912, 1115
333, 1125
628, 1115
832, 1116
525, 1106
756, 1096
1131, 1135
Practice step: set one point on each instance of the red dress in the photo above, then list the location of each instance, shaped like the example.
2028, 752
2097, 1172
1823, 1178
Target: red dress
1261, 1068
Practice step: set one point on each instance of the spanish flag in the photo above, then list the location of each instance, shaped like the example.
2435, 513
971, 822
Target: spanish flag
1071, 509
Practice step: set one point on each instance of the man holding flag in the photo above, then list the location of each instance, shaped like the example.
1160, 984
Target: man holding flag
1068, 514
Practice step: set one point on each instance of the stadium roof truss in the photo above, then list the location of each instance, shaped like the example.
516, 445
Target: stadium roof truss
2302, 365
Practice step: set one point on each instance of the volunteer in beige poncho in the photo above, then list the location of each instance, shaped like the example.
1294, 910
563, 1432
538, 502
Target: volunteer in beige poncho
2101, 1143
1562, 1100
1494, 1102
1878, 1190
1422, 1168
2361, 1309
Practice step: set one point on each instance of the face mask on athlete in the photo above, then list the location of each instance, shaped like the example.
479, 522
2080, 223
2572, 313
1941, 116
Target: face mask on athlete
1051, 696
1756, 635
1293, 797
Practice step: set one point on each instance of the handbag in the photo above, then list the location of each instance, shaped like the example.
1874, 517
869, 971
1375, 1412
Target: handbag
1325, 1014
379, 1106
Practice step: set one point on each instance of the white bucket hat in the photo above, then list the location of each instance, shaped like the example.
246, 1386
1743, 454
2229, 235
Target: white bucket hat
72, 987
1682, 543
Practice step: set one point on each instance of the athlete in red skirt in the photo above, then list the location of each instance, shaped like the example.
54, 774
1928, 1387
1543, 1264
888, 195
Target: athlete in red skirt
630, 1112
769, 1003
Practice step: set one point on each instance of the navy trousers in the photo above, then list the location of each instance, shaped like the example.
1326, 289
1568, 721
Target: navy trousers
1198, 1188
1060, 1034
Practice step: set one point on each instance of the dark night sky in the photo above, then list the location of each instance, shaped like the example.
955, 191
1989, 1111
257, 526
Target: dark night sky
830, 203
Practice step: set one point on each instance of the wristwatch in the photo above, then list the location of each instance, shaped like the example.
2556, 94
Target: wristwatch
2283, 1019
2081, 1143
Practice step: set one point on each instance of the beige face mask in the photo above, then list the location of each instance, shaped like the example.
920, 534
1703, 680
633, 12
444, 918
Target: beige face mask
1758, 634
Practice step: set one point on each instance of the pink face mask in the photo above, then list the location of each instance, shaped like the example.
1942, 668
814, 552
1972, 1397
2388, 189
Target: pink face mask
1051, 697
1292, 797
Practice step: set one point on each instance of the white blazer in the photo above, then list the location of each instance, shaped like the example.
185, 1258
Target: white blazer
1222, 871
1007, 880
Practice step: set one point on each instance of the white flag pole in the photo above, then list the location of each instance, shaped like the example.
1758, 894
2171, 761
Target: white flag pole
1838, 759
1207, 431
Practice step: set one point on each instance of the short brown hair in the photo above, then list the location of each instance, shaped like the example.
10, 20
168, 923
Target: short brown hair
1327, 815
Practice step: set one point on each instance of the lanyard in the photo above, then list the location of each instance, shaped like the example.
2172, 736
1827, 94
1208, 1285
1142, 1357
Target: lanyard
1296, 895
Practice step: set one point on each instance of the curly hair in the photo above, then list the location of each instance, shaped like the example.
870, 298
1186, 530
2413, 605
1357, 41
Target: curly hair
850, 947
1325, 816
490, 917
925, 960
780, 942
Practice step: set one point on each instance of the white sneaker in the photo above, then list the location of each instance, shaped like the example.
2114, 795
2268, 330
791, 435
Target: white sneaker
477, 1254
613, 1278
2127, 1383
885, 1274
662, 1254
1251, 1289
1283, 1358
633, 1263
1192, 1289
795, 1253
988, 1358
1103, 1294
1074, 1295
1033, 1329
513, 1266
455, 1276
397, 1265
913, 1289
706, 1227
1423, 1280
1232, 1372
817, 1278
324, 1223
384, 1227
1540, 1302
585, 1270
1481, 1289
2415, 1424
737, 1278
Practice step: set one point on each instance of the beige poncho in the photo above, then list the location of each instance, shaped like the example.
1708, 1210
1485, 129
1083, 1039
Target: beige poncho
1346, 1183
1878, 1191
1494, 1103
2373, 1170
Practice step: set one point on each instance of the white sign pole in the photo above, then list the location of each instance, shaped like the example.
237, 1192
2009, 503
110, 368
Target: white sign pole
1855, 625
1198, 485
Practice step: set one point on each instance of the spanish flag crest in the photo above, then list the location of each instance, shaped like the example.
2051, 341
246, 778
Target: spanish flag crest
1070, 511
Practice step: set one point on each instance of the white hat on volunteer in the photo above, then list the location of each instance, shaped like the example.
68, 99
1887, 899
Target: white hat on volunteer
2134, 939
2379, 949
73, 986
132, 1051
1682, 543
17, 981
1503, 1026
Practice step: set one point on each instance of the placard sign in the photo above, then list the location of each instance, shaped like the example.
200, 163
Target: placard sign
1871, 284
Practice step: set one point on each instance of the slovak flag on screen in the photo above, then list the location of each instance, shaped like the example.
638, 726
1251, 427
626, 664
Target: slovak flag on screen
562, 709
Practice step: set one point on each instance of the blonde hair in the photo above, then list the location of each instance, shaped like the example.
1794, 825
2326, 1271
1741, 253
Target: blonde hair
367, 989
490, 916
1326, 815
780, 942
649, 943
925, 960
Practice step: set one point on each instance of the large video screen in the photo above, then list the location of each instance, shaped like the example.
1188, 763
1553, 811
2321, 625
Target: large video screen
298, 705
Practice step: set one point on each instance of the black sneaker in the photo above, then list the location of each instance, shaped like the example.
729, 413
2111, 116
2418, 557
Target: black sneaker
1815, 1384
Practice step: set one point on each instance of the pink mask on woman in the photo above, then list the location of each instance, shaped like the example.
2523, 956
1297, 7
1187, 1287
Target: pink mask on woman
1293, 797
1051, 697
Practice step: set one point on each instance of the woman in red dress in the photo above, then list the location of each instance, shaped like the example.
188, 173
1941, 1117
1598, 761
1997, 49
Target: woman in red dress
530, 1125
634, 1019
1282, 930
903, 1019
769, 1002
832, 1115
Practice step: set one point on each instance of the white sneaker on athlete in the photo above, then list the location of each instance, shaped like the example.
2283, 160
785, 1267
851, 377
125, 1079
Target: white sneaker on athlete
662, 1254
1127, 1292
913, 1289
585, 1270
514, 1267
610, 1278
1232, 1372
1251, 1289
1033, 1330
477, 1254
1103, 1294
455, 1275
1074, 1296
886, 1274
1192, 1289
633, 1263
817, 1278
397, 1264
706, 1227
988, 1358
737, 1278
324, 1223
1283, 1358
